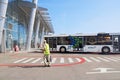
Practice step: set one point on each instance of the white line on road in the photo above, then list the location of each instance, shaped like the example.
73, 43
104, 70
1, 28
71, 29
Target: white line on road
53, 60
36, 60
19, 60
78, 59
87, 59
110, 59
103, 72
28, 60
95, 59
116, 58
62, 60
103, 59
70, 60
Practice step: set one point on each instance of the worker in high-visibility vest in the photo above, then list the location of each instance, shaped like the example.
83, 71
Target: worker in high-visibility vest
46, 51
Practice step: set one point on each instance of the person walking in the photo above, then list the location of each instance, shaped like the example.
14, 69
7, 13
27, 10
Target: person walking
47, 56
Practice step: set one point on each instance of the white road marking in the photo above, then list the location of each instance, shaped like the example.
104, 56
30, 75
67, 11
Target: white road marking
70, 60
36, 60
78, 59
19, 60
116, 58
95, 59
102, 70
62, 60
53, 60
88, 60
103, 59
28, 60
110, 59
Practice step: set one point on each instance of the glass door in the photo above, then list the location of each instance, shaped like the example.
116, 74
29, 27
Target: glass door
9, 41
116, 43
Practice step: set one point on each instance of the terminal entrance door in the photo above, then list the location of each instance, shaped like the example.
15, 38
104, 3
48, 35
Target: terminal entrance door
9, 41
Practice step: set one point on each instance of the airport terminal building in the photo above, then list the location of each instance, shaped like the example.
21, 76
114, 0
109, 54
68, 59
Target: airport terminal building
22, 23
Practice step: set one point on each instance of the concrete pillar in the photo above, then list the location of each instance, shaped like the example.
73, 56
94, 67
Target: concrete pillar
30, 26
37, 32
3, 9
42, 36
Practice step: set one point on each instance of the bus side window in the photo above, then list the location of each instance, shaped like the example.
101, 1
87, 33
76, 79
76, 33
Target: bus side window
58, 40
67, 41
91, 40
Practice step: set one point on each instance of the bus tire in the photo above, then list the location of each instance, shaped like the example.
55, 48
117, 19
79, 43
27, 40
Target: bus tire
105, 50
62, 49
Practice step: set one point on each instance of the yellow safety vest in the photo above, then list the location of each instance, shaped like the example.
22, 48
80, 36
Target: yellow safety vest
46, 49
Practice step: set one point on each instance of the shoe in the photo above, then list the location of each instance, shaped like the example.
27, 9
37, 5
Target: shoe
49, 65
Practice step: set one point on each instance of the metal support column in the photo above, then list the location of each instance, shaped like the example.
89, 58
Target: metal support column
42, 36
37, 30
3, 9
30, 26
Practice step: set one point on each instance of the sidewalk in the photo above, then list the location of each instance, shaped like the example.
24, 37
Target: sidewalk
32, 50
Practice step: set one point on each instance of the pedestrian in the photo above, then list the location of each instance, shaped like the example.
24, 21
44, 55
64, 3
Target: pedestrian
47, 56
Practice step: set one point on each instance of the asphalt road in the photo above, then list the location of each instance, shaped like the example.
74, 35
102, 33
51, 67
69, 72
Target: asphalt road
29, 66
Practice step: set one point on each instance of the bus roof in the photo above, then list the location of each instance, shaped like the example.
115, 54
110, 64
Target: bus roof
78, 34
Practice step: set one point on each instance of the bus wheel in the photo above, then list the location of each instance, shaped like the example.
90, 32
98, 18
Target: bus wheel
62, 49
105, 50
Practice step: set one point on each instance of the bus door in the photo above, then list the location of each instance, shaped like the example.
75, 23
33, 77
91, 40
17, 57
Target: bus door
53, 43
116, 43
81, 41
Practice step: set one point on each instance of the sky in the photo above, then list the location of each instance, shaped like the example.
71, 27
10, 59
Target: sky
83, 16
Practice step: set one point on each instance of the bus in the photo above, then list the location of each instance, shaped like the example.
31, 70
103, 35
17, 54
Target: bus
97, 42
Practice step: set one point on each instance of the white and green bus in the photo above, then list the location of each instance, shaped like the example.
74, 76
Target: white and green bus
99, 42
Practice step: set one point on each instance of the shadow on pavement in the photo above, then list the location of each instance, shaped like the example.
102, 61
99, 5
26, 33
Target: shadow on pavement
30, 66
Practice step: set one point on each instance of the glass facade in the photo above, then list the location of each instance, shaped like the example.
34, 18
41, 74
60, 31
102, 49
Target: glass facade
10, 0
15, 28
15, 34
